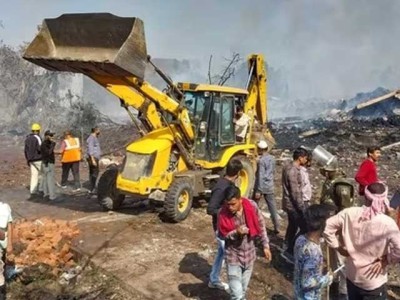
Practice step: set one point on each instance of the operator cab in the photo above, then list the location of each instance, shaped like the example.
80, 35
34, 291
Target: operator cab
212, 110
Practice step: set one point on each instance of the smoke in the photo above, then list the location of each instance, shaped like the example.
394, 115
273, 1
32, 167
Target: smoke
323, 50
328, 49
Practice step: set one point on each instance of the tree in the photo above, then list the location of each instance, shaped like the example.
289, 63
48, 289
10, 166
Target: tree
228, 70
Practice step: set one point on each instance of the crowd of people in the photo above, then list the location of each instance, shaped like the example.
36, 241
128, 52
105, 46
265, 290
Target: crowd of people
360, 240
355, 242
41, 154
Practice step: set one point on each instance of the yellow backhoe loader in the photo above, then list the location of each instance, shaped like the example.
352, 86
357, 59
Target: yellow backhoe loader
187, 131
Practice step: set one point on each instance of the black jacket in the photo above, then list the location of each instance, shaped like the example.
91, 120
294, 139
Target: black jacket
47, 151
217, 198
32, 148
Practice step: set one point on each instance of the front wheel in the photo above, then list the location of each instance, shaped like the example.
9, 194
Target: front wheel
178, 200
107, 193
247, 177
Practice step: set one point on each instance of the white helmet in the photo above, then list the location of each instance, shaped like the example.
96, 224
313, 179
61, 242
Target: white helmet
262, 145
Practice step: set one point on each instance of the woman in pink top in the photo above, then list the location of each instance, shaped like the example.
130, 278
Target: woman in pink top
367, 237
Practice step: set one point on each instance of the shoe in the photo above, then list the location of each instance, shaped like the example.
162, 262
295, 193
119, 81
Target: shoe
343, 297
33, 197
63, 186
218, 285
46, 198
56, 200
288, 257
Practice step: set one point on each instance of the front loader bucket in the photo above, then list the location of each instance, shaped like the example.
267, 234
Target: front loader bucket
95, 43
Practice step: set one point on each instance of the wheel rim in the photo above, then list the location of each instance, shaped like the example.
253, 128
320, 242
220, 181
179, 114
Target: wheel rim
243, 182
183, 201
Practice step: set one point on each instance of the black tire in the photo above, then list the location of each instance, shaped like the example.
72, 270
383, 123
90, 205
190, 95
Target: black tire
248, 168
107, 193
180, 187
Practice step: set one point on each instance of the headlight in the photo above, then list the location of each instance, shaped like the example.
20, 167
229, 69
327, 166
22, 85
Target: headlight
138, 165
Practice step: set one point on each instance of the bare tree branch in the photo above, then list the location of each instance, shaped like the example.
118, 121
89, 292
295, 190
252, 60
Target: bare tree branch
229, 69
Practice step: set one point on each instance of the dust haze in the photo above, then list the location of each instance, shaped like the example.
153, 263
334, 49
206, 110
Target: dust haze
325, 50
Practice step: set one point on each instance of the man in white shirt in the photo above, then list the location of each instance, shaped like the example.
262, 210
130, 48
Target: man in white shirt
241, 124
5, 242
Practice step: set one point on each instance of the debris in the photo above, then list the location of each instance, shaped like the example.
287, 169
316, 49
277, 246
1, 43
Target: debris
310, 133
395, 94
68, 276
390, 146
44, 241
12, 271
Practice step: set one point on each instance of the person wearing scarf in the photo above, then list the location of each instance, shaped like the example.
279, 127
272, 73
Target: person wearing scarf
369, 239
239, 222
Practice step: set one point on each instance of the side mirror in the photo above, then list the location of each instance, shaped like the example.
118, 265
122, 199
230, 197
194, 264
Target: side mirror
203, 127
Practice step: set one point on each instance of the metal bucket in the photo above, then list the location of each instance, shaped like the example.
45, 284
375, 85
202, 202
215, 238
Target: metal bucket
322, 156
95, 43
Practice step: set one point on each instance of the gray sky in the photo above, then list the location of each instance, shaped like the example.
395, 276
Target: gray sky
328, 48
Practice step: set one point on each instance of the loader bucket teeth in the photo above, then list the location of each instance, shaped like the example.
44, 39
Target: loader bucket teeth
95, 43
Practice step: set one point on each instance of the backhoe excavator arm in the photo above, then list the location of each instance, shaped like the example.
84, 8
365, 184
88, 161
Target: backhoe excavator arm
257, 88
112, 51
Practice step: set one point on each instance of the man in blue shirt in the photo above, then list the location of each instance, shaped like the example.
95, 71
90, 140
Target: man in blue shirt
265, 182
93, 157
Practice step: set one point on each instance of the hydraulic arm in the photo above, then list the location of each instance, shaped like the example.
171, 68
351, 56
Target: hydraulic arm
112, 51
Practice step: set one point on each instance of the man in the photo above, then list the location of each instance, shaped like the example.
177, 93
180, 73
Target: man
34, 159
265, 182
70, 158
293, 201
308, 278
240, 222
241, 125
48, 160
217, 198
338, 193
6, 241
93, 157
369, 239
367, 172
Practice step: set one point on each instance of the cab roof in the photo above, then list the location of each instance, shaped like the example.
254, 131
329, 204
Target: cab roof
194, 87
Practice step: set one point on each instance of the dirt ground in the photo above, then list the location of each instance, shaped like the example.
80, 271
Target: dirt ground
141, 256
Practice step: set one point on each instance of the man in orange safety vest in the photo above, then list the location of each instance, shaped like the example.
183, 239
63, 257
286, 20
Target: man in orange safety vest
71, 155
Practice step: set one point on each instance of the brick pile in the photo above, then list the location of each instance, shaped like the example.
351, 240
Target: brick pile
44, 241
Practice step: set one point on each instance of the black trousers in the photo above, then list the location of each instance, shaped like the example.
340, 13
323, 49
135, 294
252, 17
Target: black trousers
93, 173
356, 293
66, 167
296, 227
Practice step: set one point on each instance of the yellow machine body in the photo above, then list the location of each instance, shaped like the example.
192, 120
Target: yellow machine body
187, 133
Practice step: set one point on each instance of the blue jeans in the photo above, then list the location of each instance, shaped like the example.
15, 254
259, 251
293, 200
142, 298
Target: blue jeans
239, 279
219, 258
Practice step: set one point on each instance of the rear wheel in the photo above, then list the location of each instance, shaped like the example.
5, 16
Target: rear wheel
247, 177
178, 200
107, 193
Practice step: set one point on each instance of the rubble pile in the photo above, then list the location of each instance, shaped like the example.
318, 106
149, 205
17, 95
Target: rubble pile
43, 241
367, 119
